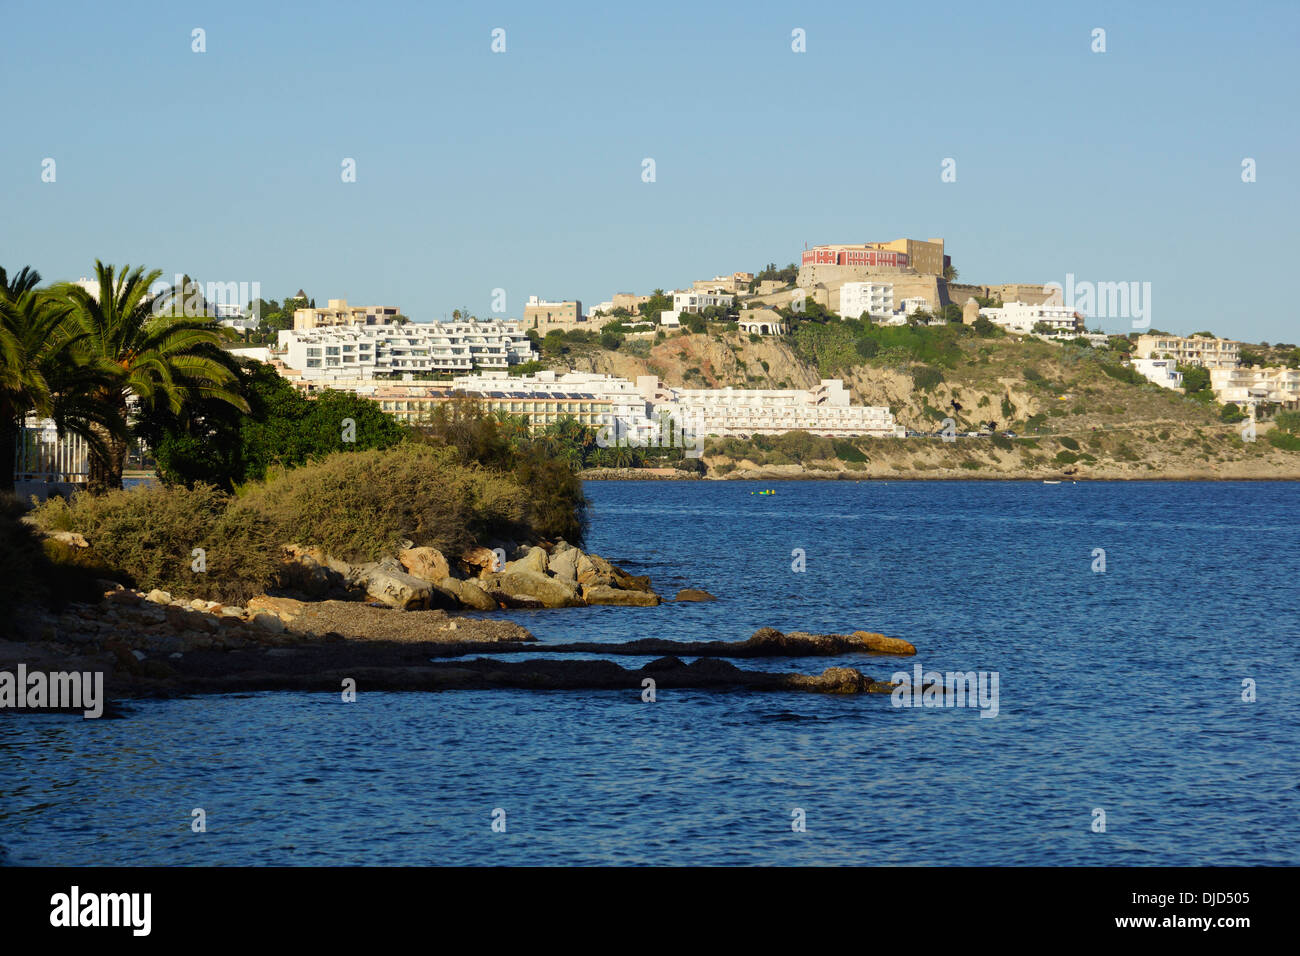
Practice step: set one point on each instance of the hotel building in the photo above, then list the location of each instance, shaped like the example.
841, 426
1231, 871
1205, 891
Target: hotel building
874, 298
1021, 317
742, 412
1199, 350
417, 348
338, 312
1256, 386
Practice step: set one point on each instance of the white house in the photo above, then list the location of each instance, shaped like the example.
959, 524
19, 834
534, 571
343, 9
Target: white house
1164, 372
874, 298
1021, 317
692, 301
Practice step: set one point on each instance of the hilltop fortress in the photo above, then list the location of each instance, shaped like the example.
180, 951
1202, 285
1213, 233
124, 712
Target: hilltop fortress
914, 267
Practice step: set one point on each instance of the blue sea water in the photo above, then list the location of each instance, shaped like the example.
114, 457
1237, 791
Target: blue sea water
1119, 691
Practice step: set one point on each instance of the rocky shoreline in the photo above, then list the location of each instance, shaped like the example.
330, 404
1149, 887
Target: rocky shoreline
148, 645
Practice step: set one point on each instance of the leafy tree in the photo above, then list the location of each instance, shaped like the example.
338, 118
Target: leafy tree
1195, 379
214, 442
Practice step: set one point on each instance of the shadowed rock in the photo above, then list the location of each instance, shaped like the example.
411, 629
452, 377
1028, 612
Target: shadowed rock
765, 642
377, 666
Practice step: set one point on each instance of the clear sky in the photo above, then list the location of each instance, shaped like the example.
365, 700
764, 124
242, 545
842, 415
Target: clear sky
523, 170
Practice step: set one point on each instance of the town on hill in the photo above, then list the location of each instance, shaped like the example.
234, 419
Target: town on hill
867, 360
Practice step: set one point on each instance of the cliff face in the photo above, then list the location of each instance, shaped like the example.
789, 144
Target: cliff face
1071, 416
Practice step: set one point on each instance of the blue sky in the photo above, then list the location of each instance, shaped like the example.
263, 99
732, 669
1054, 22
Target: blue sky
522, 170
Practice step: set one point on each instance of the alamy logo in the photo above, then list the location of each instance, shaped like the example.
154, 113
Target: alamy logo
74, 909
189, 298
924, 688
1104, 300
59, 690
672, 430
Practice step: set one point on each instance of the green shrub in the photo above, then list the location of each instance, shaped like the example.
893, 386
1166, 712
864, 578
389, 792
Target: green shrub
1284, 440
926, 378
1069, 443
360, 505
148, 535
848, 452
1066, 457
354, 505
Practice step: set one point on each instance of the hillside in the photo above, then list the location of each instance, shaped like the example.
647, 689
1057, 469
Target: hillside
1075, 410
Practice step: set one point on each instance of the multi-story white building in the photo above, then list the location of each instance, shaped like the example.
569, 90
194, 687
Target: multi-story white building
726, 412
1201, 350
1163, 372
874, 298
693, 301
1021, 317
1256, 386
369, 351
916, 303
619, 396
338, 312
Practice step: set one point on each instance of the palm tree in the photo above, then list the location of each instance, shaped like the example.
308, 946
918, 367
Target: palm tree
141, 347
41, 371
26, 280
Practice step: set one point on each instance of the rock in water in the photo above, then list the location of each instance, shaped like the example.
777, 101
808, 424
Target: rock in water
531, 588
470, 594
694, 594
604, 594
884, 645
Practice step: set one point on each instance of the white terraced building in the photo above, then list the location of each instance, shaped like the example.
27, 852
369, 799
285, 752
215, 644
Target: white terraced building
741, 412
417, 348
1256, 386
873, 298
627, 405
638, 410
1021, 317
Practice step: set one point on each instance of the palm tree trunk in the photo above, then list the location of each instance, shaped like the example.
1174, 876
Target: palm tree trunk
106, 469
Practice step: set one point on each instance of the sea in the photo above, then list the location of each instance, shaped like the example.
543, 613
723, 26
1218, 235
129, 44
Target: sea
1144, 638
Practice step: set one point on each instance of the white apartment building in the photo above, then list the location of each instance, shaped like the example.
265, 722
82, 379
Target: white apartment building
742, 412
625, 402
368, 351
1199, 350
1256, 386
916, 303
1163, 372
874, 298
1021, 317
693, 301
338, 312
